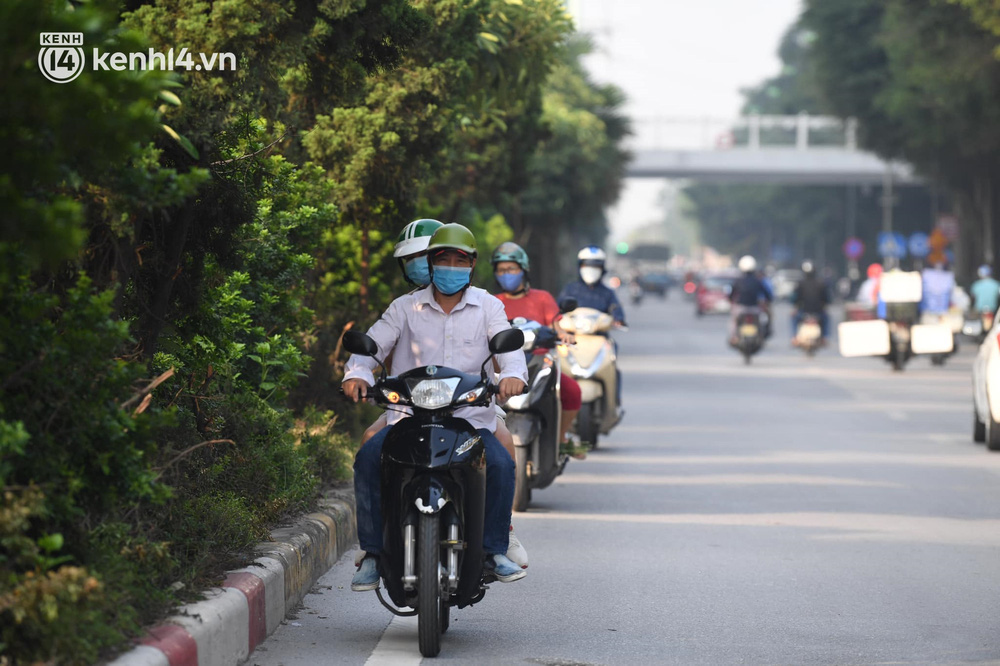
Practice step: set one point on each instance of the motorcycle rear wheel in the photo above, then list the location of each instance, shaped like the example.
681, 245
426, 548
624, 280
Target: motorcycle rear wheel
429, 599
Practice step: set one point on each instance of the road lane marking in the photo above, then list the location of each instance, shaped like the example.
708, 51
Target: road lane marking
721, 479
895, 415
838, 526
398, 645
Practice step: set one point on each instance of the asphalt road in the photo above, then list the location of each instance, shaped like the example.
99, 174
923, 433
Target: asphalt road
794, 511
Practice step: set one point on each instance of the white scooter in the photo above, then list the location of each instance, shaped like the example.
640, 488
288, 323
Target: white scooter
592, 362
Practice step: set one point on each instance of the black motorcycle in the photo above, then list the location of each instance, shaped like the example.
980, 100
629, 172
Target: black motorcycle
750, 331
534, 418
901, 317
433, 489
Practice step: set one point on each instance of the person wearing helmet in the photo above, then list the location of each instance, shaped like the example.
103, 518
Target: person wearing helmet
985, 291
749, 291
868, 290
510, 270
447, 323
411, 250
811, 297
588, 290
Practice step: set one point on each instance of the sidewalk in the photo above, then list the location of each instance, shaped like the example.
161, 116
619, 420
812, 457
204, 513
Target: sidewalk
225, 628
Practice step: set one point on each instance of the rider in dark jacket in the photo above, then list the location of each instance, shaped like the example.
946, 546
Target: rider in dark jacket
811, 298
749, 291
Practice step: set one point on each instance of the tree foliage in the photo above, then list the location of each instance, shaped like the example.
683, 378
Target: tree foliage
179, 253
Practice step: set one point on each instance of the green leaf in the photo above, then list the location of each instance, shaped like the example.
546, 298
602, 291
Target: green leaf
181, 139
51, 542
169, 97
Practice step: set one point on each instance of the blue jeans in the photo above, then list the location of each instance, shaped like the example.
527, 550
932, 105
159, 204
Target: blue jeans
499, 493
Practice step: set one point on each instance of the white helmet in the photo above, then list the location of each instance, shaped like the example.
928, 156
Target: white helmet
747, 264
807, 266
591, 253
985, 271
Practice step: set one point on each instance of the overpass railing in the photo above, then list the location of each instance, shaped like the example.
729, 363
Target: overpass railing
752, 132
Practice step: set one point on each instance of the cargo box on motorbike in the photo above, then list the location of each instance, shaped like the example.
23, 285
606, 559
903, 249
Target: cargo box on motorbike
931, 339
901, 287
863, 338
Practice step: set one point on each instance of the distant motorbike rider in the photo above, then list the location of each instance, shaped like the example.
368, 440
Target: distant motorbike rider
588, 291
447, 323
811, 297
868, 291
985, 291
938, 286
749, 293
511, 271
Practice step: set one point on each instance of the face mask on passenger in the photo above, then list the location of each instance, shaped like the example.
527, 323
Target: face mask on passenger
418, 271
590, 274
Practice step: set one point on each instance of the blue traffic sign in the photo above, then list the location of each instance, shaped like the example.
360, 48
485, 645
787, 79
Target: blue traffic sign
892, 244
919, 245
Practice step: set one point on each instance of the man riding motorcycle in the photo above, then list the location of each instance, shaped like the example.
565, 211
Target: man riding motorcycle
447, 323
510, 269
589, 292
811, 297
748, 293
985, 291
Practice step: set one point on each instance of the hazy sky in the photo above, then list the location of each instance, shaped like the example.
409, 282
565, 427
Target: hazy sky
680, 59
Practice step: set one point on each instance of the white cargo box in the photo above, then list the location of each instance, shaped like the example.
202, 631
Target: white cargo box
863, 338
931, 339
901, 287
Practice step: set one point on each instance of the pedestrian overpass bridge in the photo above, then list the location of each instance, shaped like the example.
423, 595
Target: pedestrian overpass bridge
797, 150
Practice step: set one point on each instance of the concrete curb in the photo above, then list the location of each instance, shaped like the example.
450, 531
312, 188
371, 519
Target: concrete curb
224, 628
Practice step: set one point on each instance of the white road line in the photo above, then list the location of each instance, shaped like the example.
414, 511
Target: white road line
898, 416
398, 645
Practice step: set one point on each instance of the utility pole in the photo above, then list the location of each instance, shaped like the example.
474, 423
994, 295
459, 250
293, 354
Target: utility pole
887, 202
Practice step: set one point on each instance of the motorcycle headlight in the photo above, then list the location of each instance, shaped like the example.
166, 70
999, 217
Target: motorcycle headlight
433, 393
583, 325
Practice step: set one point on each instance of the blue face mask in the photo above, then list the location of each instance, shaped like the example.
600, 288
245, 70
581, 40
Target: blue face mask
510, 281
451, 279
418, 271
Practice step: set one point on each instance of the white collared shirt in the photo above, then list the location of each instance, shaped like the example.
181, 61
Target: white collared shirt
418, 332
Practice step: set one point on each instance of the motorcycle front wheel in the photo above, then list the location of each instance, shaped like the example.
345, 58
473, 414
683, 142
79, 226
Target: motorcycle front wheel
522, 487
586, 424
429, 599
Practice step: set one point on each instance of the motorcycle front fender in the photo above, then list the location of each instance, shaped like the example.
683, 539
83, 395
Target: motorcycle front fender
590, 390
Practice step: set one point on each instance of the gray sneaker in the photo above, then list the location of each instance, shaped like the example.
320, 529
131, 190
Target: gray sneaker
367, 578
501, 568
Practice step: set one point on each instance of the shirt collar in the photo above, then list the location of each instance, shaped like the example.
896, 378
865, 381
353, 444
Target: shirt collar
471, 296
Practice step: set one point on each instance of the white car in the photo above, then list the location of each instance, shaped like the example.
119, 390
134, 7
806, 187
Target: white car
986, 391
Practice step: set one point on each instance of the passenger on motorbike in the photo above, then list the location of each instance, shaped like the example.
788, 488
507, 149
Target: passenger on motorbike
447, 323
748, 293
510, 269
811, 297
985, 291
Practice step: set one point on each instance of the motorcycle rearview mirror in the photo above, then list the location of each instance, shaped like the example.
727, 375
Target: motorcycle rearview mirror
505, 341
361, 344
567, 305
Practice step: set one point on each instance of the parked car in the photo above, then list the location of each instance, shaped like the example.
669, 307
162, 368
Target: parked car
986, 391
712, 293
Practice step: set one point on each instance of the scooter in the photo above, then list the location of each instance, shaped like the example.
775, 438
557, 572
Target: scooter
592, 362
433, 489
809, 334
749, 338
534, 418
